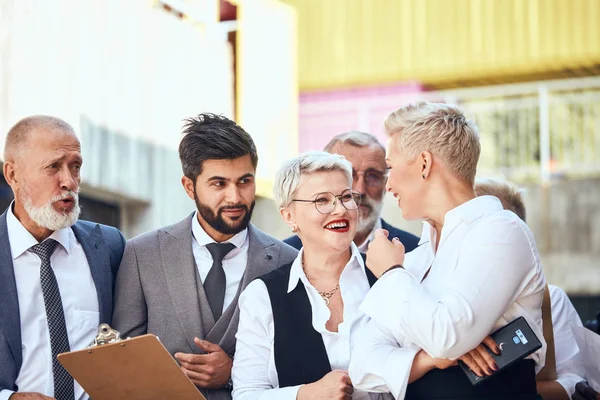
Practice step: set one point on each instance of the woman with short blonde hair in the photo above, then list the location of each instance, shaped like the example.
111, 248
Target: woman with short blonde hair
477, 268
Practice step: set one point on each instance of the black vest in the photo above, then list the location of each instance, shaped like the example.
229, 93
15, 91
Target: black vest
299, 351
301, 358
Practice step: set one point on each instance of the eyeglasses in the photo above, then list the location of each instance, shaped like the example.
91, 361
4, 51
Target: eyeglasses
326, 202
372, 178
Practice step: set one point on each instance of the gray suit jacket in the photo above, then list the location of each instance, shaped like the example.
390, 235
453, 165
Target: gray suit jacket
103, 247
158, 290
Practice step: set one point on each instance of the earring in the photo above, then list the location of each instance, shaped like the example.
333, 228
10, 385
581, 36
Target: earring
423, 176
294, 228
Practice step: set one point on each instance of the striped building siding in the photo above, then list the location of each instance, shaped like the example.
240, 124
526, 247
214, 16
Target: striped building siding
444, 43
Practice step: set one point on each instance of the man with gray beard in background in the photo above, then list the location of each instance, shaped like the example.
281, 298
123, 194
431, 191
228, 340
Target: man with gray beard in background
56, 273
369, 174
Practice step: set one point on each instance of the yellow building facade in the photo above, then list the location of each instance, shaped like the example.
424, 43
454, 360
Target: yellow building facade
444, 43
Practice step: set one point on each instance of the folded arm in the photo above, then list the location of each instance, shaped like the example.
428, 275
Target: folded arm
490, 273
379, 364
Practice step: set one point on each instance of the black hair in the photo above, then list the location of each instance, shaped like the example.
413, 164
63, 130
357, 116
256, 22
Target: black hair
213, 137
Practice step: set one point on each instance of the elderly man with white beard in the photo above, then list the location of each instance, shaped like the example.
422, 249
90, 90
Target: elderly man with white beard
56, 273
367, 156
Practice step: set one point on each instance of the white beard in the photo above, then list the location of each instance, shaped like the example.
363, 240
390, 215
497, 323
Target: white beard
47, 217
367, 223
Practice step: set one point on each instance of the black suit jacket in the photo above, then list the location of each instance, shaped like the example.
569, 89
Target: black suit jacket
409, 240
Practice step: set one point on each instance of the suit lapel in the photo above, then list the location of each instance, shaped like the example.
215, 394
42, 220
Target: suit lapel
95, 250
263, 257
180, 273
10, 320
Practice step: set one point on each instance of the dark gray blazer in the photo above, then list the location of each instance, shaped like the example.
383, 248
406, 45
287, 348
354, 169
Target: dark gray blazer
158, 290
103, 246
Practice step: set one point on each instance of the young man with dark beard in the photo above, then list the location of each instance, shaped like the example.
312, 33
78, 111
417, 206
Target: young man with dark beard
182, 282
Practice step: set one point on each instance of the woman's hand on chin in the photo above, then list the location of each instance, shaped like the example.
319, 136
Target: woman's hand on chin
383, 254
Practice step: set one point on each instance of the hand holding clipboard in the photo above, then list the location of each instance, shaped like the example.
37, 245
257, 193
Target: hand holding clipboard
139, 368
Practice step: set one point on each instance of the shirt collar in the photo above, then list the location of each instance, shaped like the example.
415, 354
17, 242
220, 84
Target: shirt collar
474, 209
297, 274
203, 238
21, 240
467, 212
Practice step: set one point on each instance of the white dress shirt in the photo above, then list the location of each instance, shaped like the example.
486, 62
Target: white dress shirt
234, 262
365, 245
486, 273
569, 367
79, 300
254, 372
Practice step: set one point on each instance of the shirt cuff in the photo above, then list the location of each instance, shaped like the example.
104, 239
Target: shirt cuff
286, 393
400, 362
568, 382
5, 394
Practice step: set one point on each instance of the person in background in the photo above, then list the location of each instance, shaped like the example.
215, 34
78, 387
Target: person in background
569, 367
477, 269
56, 272
367, 156
182, 282
296, 323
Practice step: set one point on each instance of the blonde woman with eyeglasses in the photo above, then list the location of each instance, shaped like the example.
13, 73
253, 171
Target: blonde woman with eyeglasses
293, 340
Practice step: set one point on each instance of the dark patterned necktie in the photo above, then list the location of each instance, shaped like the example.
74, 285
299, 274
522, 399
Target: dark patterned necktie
215, 282
59, 340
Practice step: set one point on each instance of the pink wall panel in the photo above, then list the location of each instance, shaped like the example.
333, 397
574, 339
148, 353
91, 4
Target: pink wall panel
323, 115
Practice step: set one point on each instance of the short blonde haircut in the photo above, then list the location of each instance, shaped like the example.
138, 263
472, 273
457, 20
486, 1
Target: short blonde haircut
510, 196
440, 129
288, 177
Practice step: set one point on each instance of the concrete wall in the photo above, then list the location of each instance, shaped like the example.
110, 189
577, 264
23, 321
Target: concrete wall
565, 218
124, 74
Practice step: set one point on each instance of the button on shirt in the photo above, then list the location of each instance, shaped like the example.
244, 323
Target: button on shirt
485, 274
234, 262
254, 372
79, 299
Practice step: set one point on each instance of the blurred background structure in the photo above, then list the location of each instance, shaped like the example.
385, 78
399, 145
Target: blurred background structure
294, 73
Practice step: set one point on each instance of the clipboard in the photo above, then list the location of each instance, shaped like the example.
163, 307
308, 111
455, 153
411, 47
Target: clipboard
135, 369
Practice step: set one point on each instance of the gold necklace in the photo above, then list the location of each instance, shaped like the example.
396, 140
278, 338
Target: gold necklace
325, 295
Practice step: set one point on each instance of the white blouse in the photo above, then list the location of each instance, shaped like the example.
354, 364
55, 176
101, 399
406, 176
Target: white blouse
254, 372
569, 364
486, 273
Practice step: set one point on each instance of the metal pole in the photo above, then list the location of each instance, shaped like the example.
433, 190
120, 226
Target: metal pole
544, 134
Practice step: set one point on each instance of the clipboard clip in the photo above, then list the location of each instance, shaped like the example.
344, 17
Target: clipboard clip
106, 335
